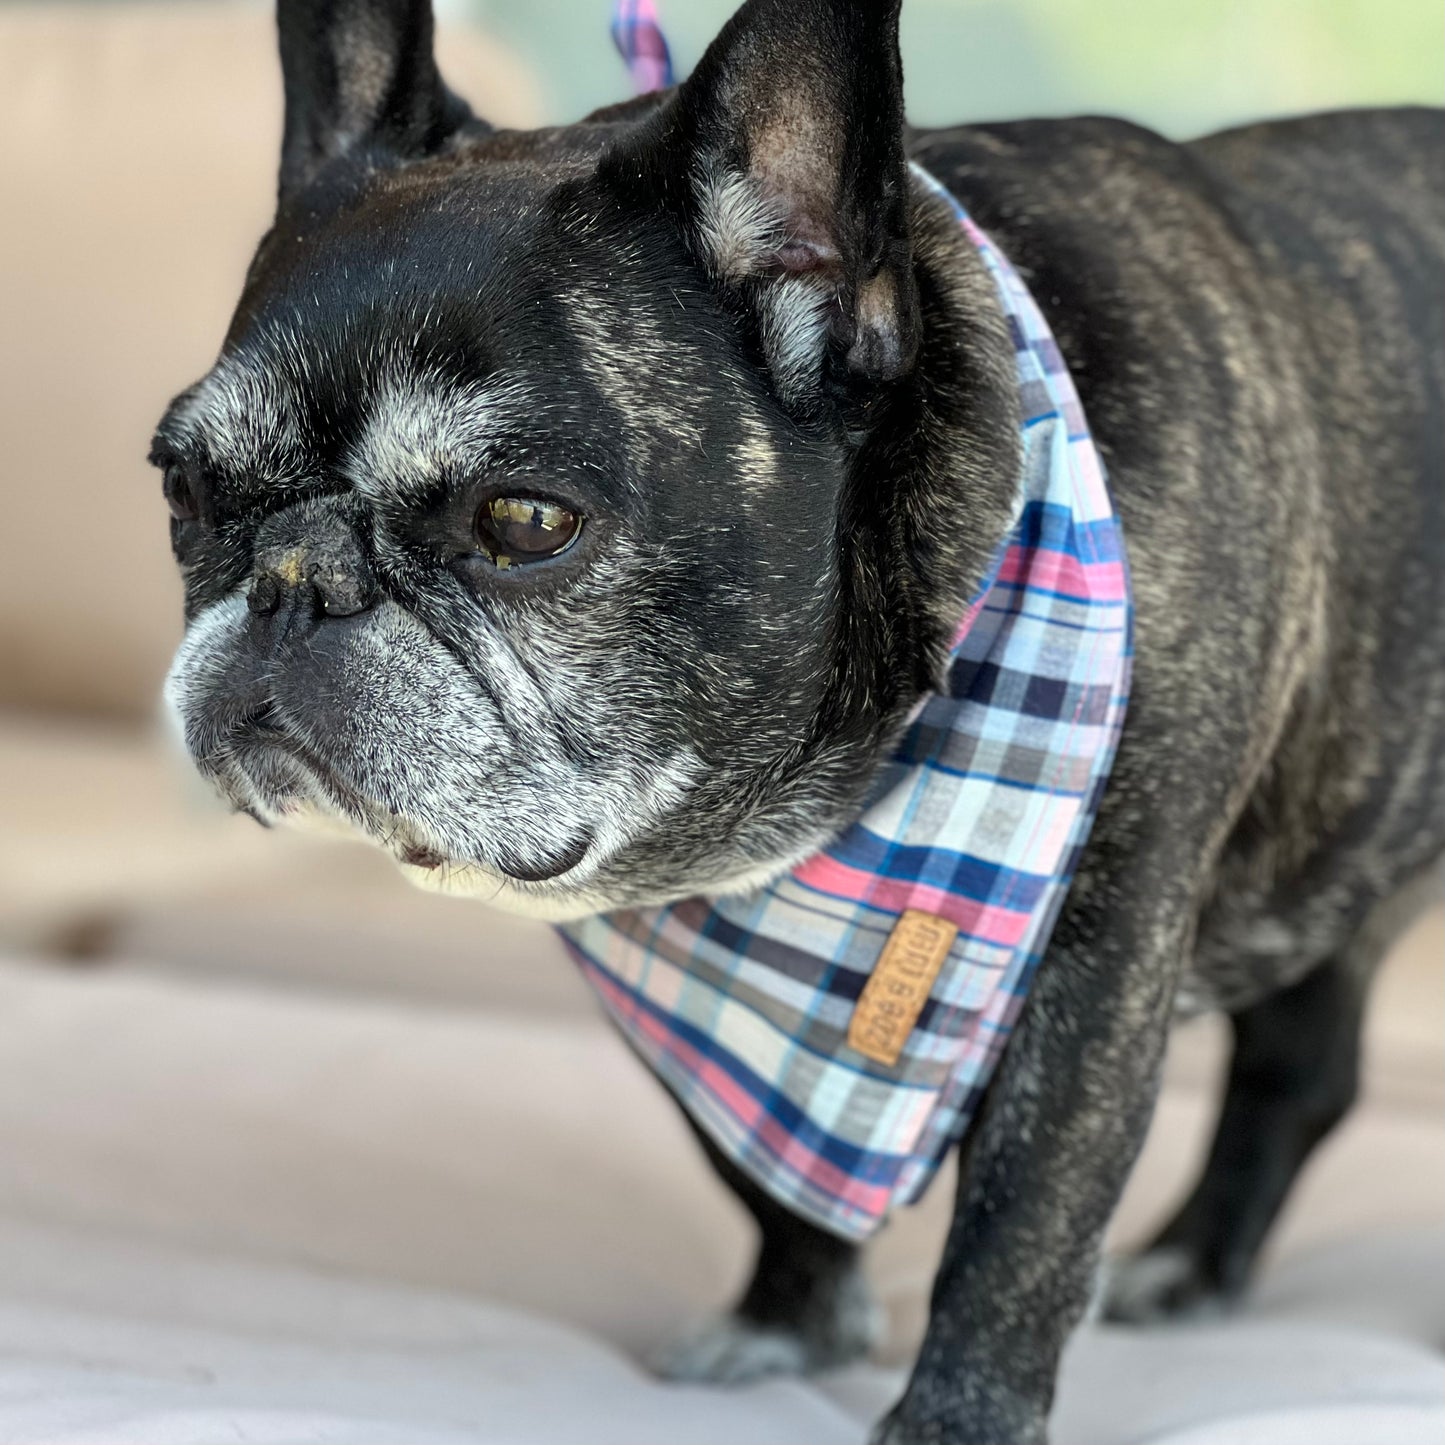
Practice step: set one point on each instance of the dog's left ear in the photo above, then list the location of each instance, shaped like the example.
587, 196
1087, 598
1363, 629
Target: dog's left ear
782, 155
361, 82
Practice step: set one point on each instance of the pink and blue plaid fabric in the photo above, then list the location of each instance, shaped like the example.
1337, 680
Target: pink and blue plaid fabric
741, 1005
639, 38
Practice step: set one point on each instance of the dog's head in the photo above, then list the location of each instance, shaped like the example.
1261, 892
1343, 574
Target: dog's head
577, 513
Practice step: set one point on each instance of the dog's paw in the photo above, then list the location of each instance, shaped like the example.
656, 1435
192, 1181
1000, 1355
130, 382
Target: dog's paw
732, 1351
1159, 1285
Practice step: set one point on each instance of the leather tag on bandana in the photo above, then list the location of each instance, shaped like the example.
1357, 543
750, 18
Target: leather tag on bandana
898, 987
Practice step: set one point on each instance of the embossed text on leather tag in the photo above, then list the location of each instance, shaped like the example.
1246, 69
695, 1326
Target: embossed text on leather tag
898, 987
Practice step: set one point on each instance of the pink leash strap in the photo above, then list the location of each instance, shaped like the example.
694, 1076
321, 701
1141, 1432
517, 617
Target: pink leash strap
639, 40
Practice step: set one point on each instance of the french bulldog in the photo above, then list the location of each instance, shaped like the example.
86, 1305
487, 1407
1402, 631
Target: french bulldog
578, 514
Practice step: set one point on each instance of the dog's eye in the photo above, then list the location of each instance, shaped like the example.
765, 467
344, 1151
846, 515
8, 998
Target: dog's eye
513, 531
180, 495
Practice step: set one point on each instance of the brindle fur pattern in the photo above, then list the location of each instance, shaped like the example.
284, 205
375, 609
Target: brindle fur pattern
727, 326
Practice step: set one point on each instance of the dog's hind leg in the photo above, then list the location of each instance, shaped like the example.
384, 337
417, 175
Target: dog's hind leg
1293, 1077
807, 1307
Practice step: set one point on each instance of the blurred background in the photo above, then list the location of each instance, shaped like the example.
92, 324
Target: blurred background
253, 1088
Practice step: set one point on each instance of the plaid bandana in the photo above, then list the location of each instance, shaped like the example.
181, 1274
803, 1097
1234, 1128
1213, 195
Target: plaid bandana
834, 1032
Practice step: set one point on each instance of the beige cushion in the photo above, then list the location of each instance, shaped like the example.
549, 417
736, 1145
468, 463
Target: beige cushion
137, 170
238, 1213
225, 1114
123, 1341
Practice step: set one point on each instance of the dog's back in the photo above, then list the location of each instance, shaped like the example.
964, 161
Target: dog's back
1347, 212
1255, 323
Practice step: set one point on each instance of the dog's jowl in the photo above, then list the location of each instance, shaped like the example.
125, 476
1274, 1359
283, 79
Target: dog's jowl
635, 522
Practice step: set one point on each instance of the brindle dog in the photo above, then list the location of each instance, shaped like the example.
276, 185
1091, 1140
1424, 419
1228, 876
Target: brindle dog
579, 512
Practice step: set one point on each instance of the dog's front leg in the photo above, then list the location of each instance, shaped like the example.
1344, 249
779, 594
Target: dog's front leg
1046, 1162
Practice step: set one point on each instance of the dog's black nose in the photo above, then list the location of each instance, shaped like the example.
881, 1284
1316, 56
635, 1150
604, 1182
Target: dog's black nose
330, 591
309, 558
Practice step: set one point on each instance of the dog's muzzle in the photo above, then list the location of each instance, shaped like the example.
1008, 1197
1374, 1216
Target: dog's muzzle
265, 697
281, 707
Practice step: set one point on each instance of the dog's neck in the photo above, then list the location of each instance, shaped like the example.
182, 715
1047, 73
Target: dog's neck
929, 500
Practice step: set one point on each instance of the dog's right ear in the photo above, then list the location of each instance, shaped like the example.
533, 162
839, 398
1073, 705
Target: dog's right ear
361, 84
782, 159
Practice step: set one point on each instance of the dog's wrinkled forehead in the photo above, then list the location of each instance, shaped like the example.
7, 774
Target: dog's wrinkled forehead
267, 419
471, 323
371, 316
